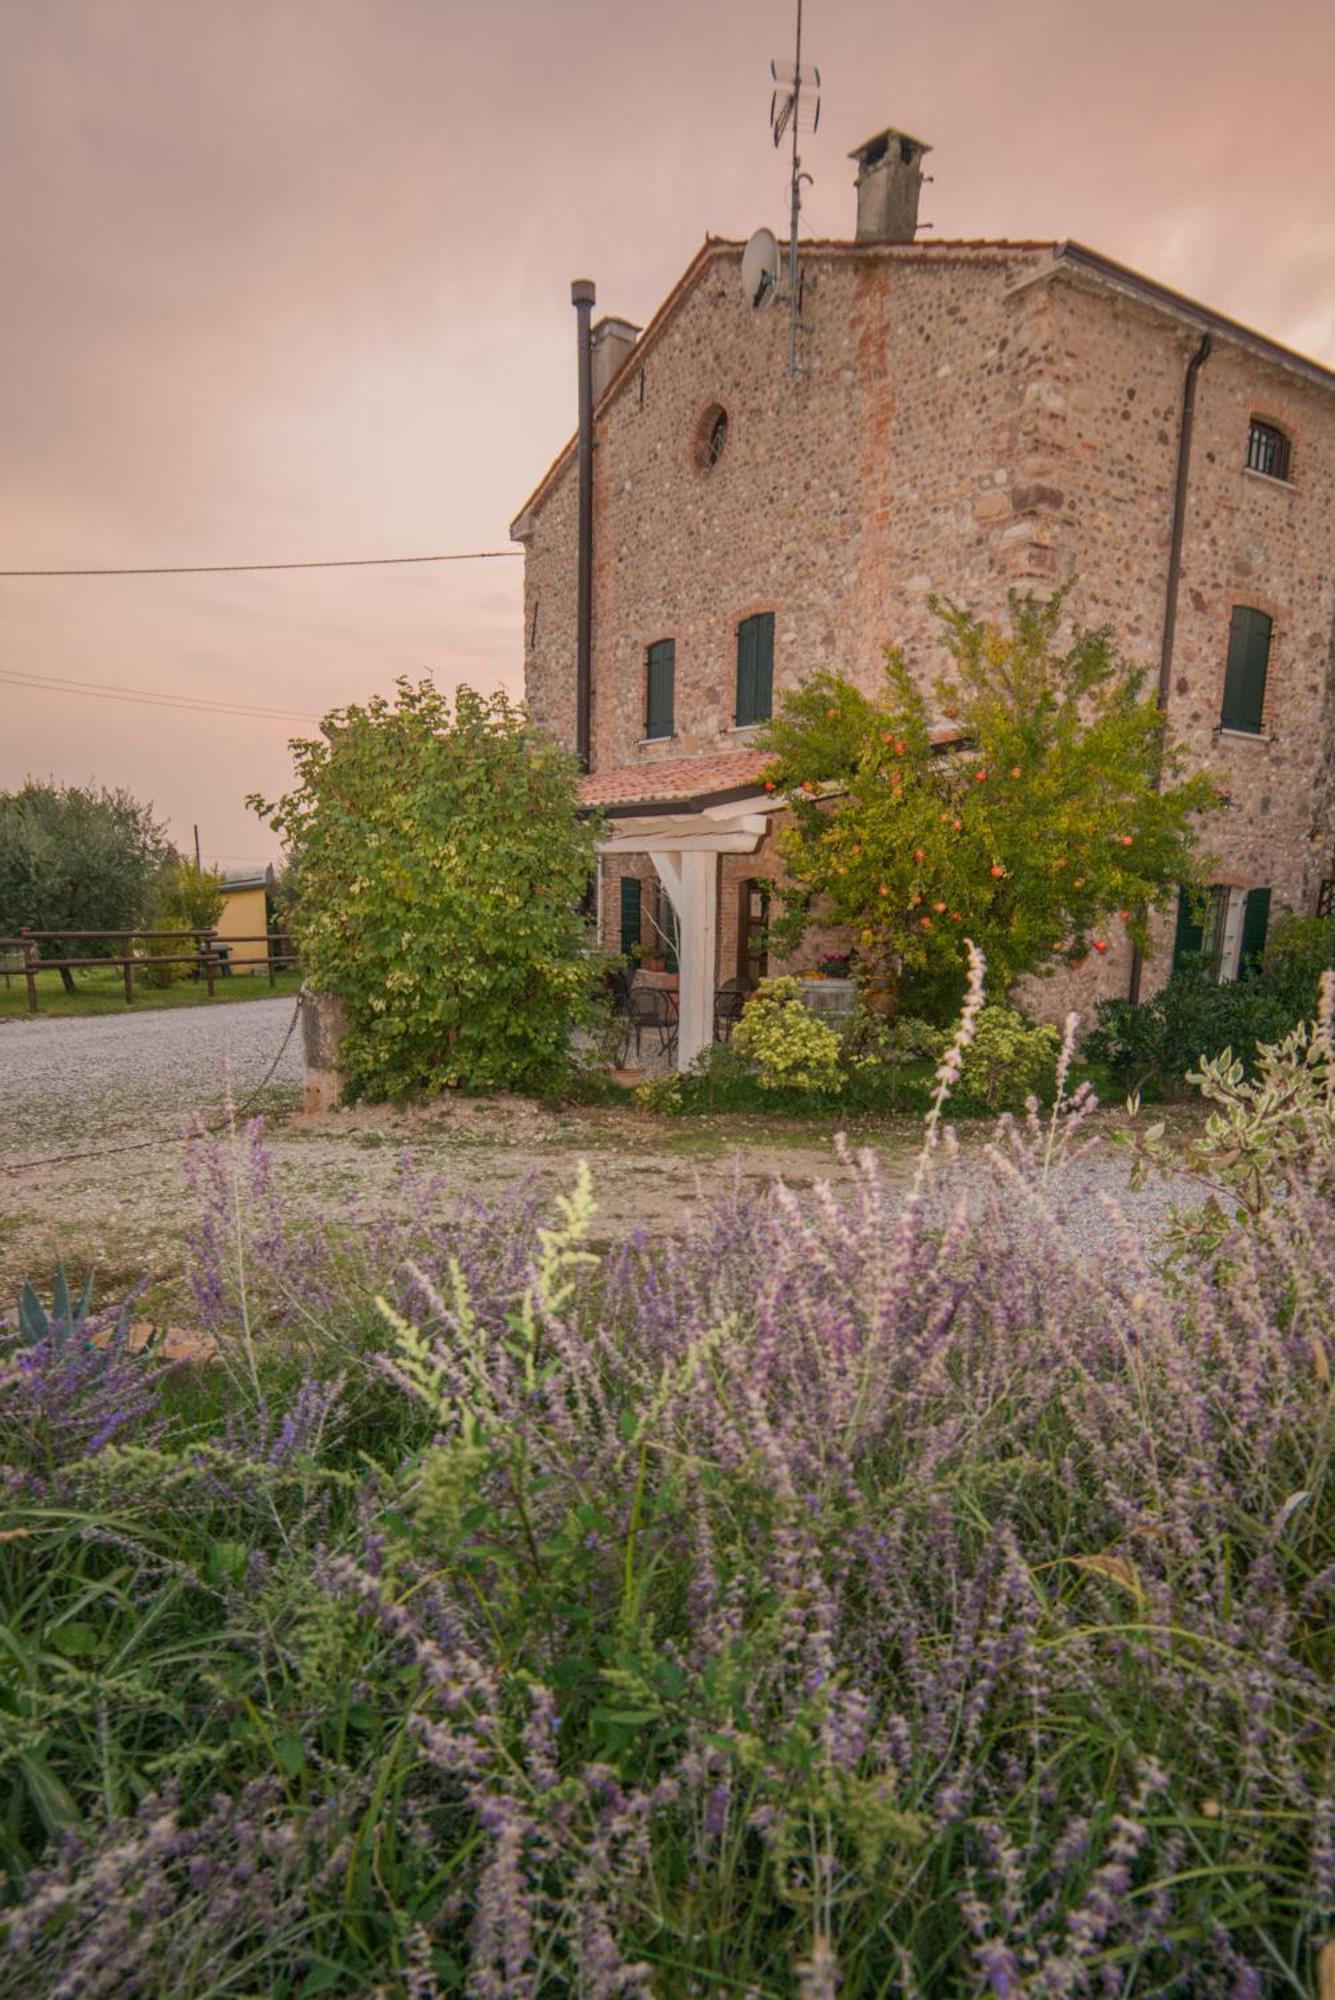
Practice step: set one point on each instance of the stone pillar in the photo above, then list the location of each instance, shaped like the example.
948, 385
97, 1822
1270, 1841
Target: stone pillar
324, 1023
691, 880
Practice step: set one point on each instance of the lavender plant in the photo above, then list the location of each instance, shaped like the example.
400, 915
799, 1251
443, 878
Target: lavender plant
69, 1383
862, 1594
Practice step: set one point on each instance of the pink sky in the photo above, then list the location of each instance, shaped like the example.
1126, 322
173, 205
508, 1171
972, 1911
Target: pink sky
289, 279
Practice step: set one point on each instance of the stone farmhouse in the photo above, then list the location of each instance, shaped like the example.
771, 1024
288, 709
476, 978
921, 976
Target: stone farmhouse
969, 416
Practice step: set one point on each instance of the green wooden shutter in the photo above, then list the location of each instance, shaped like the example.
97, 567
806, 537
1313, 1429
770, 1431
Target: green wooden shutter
746, 671
630, 913
755, 669
1189, 940
765, 666
660, 673
1248, 661
671, 923
1255, 924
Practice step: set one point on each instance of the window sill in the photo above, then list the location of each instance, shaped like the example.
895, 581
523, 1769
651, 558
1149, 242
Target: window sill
1269, 479
643, 742
1244, 735
746, 728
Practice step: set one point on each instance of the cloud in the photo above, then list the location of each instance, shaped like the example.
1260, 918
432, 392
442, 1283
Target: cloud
290, 278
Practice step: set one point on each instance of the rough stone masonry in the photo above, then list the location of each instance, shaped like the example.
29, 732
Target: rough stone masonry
971, 416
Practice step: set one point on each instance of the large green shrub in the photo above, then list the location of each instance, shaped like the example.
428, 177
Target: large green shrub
442, 861
1008, 1059
1297, 952
789, 1046
1269, 1134
1193, 1018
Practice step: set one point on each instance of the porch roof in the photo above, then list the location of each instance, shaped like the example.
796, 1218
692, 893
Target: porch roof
687, 783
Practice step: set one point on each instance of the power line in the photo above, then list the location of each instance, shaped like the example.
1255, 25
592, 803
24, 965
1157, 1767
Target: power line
236, 569
149, 697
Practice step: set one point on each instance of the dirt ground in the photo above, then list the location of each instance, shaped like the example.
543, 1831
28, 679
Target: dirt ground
92, 1163
124, 1215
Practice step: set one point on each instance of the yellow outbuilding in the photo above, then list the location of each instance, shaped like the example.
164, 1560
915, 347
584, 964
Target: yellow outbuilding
245, 915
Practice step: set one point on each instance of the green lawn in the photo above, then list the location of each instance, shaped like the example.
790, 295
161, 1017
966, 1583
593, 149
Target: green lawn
100, 991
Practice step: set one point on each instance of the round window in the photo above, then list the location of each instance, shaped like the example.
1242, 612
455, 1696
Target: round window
712, 436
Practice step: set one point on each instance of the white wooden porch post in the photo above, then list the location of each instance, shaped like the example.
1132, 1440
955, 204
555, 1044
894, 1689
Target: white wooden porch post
691, 880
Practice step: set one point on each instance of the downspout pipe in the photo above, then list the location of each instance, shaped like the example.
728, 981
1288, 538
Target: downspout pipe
1174, 580
582, 297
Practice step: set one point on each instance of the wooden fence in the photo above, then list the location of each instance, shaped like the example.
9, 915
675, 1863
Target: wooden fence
203, 951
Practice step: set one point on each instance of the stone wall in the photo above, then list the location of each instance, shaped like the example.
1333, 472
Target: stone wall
1105, 458
971, 419
841, 500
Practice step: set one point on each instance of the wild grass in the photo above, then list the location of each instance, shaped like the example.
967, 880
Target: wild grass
100, 990
853, 1597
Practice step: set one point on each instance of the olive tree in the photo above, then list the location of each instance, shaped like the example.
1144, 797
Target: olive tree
76, 858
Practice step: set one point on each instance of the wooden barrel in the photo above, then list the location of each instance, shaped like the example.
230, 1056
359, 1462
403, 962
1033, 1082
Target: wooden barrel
834, 1001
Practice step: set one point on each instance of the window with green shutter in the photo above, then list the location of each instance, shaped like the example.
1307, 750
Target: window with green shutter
1255, 924
755, 669
1248, 662
1189, 939
631, 889
659, 674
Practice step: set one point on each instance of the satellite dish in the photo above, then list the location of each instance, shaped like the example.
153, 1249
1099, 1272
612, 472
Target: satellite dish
760, 268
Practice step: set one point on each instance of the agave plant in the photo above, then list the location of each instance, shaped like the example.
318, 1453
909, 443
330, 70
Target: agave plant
66, 1322
68, 1381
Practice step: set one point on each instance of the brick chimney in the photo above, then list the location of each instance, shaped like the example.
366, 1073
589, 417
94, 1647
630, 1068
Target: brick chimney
612, 342
889, 183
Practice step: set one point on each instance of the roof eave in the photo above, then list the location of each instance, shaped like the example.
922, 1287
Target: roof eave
522, 525
1078, 258
647, 806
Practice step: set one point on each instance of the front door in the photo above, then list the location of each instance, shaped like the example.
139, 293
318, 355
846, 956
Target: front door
753, 931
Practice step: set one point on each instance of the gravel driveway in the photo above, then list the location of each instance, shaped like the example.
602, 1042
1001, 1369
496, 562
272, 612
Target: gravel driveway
89, 1086
71, 1082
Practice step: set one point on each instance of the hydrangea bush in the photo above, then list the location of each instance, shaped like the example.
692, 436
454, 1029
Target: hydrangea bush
866, 1594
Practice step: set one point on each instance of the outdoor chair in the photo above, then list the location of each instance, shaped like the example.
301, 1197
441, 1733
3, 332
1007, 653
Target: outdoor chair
616, 991
616, 985
652, 1007
729, 1001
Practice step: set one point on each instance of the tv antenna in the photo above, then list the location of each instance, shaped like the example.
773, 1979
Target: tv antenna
794, 108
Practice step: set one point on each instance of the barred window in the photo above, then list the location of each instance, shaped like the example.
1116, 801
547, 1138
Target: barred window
1267, 450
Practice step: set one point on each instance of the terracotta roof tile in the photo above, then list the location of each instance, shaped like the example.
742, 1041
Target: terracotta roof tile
675, 782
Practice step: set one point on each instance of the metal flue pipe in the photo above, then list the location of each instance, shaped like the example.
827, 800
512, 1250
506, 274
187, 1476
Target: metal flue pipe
1173, 586
582, 296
